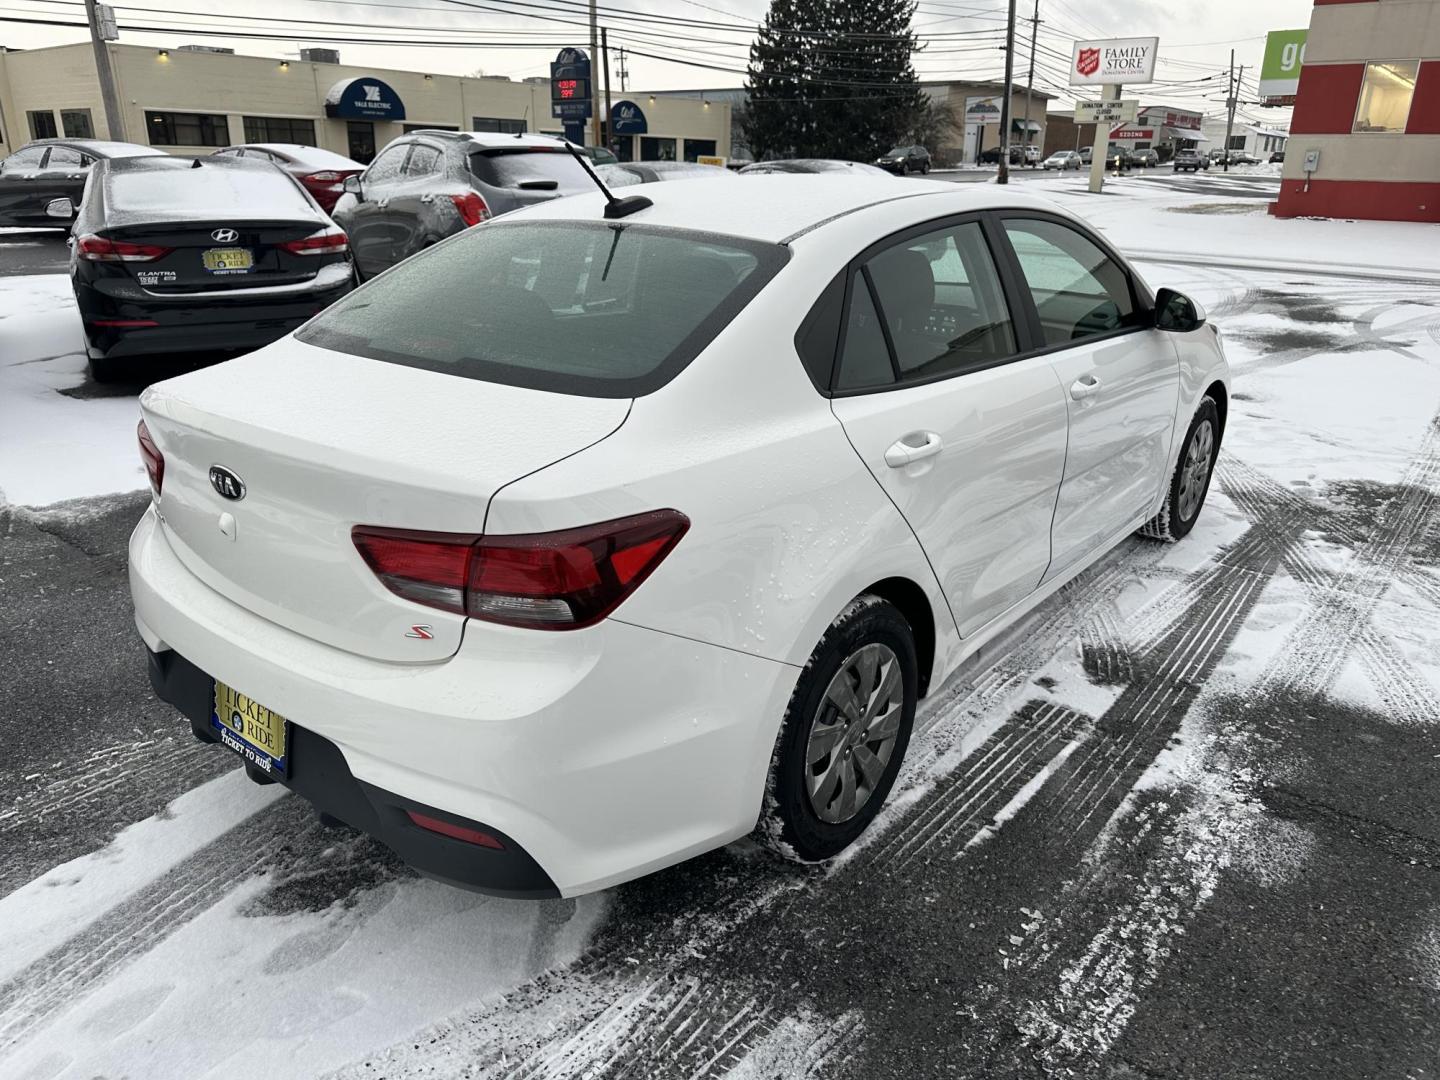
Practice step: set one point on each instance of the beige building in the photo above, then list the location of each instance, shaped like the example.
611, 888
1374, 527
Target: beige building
190, 101
977, 109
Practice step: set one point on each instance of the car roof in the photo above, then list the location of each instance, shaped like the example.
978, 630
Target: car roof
102, 147
779, 207
486, 138
302, 153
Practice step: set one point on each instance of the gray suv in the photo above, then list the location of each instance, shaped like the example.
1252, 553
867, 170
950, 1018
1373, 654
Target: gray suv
427, 185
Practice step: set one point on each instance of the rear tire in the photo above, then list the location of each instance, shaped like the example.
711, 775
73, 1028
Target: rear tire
105, 369
844, 735
1190, 481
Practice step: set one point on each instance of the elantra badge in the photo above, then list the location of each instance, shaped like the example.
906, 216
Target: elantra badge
224, 236
226, 484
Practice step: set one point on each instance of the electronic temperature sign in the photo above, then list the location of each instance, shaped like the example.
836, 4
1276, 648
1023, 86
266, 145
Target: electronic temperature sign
570, 97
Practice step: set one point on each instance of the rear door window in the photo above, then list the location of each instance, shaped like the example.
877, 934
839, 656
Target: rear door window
63, 157
423, 161
573, 307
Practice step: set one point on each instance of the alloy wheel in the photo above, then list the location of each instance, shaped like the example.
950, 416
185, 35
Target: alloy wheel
852, 734
1195, 473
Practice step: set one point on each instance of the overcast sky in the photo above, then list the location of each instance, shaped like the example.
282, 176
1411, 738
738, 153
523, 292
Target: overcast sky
494, 36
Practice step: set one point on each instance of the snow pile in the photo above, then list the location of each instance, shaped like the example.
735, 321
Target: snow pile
53, 446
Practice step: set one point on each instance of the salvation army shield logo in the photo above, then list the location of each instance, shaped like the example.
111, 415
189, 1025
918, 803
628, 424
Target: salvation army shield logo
1088, 62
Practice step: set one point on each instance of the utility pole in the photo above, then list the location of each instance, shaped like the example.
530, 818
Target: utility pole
605, 59
623, 73
114, 120
1030, 79
594, 82
1003, 177
1230, 108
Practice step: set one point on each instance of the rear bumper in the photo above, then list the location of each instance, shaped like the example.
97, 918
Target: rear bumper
194, 323
319, 774
601, 754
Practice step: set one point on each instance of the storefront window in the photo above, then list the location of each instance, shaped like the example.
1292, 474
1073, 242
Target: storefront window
42, 124
76, 123
279, 129
1385, 95
654, 149
695, 149
187, 129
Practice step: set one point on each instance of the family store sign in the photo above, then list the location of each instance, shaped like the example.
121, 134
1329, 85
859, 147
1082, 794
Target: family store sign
1114, 61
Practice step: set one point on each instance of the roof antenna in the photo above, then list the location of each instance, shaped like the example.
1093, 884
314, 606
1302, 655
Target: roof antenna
614, 208
195, 163
524, 119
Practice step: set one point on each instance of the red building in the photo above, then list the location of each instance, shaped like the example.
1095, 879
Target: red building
1369, 103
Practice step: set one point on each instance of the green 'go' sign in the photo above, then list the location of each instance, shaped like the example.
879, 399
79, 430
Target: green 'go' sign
1280, 70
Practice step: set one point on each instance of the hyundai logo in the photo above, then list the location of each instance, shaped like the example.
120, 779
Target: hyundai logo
224, 236
226, 483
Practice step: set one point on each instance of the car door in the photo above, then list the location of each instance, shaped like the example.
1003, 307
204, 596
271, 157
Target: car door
64, 174
407, 214
371, 237
1120, 375
965, 435
19, 174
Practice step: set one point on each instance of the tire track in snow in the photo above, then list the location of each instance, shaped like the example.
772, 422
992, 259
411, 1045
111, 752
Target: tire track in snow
142, 921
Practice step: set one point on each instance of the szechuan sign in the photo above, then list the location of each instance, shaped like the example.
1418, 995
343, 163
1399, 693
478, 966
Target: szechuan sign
1113, 61
1280, 69
363, 99
1132, 133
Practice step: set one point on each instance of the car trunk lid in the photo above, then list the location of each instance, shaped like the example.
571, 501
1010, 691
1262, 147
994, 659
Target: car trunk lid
323, 441
221, 254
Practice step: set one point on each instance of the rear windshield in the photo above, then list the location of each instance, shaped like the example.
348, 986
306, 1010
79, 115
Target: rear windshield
603, 310
507, 169
217, 188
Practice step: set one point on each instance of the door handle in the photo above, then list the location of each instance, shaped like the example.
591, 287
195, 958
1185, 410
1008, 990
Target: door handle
1084, 387
905, 451
382, 204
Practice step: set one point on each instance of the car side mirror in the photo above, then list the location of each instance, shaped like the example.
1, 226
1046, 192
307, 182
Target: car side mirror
351, 185
1177, 313
60, 208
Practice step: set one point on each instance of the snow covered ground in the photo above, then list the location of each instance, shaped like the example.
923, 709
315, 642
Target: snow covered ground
1181, 822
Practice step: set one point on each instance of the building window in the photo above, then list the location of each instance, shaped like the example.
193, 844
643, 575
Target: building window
76, 123
498, 124
408, 128
42, 124
656, 149
1385, 95
187, 129
695, 149
279, 129
1237, 142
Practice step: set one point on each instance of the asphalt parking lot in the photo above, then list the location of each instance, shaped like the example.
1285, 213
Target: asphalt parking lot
1181, 822
33, 251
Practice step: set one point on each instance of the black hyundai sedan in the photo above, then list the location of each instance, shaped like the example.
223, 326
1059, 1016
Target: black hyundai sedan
49, 169
174, 255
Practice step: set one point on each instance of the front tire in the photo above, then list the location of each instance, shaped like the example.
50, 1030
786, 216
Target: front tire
1191, 479
844, 735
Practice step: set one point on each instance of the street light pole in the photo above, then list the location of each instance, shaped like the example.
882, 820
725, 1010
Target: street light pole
1229, 109
1030, 79
1003, 177
594, 82
109, 97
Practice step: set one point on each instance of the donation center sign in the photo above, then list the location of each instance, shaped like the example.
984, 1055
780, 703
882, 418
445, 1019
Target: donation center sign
1114, 61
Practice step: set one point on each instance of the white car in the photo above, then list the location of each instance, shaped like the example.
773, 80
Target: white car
576, 546
1063, 159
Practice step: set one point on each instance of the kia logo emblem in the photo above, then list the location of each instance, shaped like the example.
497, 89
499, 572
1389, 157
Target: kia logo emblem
224, 236
226, 483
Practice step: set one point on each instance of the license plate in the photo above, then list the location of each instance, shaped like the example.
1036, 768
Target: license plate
227, 260
250, 729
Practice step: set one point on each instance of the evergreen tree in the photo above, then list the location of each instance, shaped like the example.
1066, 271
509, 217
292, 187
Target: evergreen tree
832, 78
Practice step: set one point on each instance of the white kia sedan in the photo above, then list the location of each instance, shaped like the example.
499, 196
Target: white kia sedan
578, 545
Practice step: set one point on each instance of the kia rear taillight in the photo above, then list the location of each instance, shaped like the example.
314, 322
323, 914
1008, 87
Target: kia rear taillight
100, 249
326, 177
472, 208
455, 832
544, 581
327, 242
153, 459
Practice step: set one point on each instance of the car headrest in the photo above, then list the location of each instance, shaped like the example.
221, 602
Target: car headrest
906, 285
